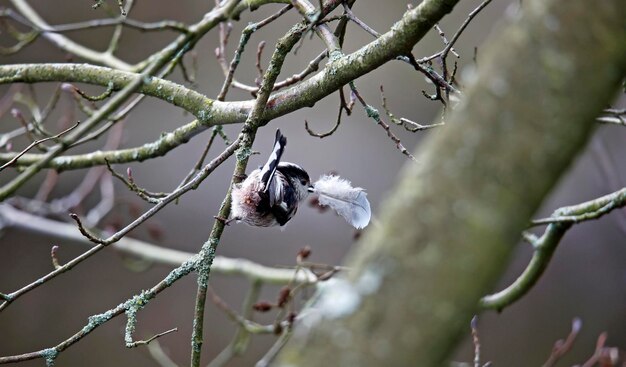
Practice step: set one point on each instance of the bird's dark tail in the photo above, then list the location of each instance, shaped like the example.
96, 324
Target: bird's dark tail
269, 169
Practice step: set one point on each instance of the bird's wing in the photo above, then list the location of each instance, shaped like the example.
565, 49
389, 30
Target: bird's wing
281, 194
268, 171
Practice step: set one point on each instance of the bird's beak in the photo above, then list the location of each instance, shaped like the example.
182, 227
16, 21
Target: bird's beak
311, 189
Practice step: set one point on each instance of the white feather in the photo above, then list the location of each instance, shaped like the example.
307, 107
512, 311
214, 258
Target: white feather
349, 202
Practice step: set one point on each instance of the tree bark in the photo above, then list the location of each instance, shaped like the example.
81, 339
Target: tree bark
448, 228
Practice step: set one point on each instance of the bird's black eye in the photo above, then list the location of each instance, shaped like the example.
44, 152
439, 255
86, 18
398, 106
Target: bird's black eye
303, 182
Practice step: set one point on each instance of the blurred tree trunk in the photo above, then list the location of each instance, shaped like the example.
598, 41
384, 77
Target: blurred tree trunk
448, 228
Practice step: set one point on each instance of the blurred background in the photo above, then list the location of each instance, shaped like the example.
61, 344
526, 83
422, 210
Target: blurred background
586, 278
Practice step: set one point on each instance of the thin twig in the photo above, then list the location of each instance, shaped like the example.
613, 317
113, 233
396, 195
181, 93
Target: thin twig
458, 33
198, 166
444, 39
177, 48
313, 66
37, 142
150, 197
359, 22
245, 36
248, 133
85, 232
102, 243
190, 74
21, 220
409, 125
443, 54
259, 68
106, 94
410, 59
561, 347
147, 341
27, 128
95, 321
329, 132
373, 113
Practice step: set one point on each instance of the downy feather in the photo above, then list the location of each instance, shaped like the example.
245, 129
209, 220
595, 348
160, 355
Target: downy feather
349, 202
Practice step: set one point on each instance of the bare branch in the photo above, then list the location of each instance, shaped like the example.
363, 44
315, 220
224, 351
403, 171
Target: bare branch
359, 22
312, 67
14, 218
248, 133
561, 347
329, 132
589, 210
545, 245
245, 37
458, 33
259, 54
444, 39
102, 243
150, 197
147, 341
35, 143
409, 125
65, 43
95, 321
373, 113
444, 53
85, 232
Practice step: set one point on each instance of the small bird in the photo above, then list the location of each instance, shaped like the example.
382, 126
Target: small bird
270, 195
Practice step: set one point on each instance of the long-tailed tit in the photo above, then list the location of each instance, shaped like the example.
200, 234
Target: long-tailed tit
270, 195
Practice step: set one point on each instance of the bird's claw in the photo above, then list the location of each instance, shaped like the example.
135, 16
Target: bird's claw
224, 221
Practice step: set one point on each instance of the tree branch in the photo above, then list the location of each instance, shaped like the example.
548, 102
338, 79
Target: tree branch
171, 53
95, 321
337, 73
115, 80
67, 44
248, 133
15, 218
102, 243
544, 246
